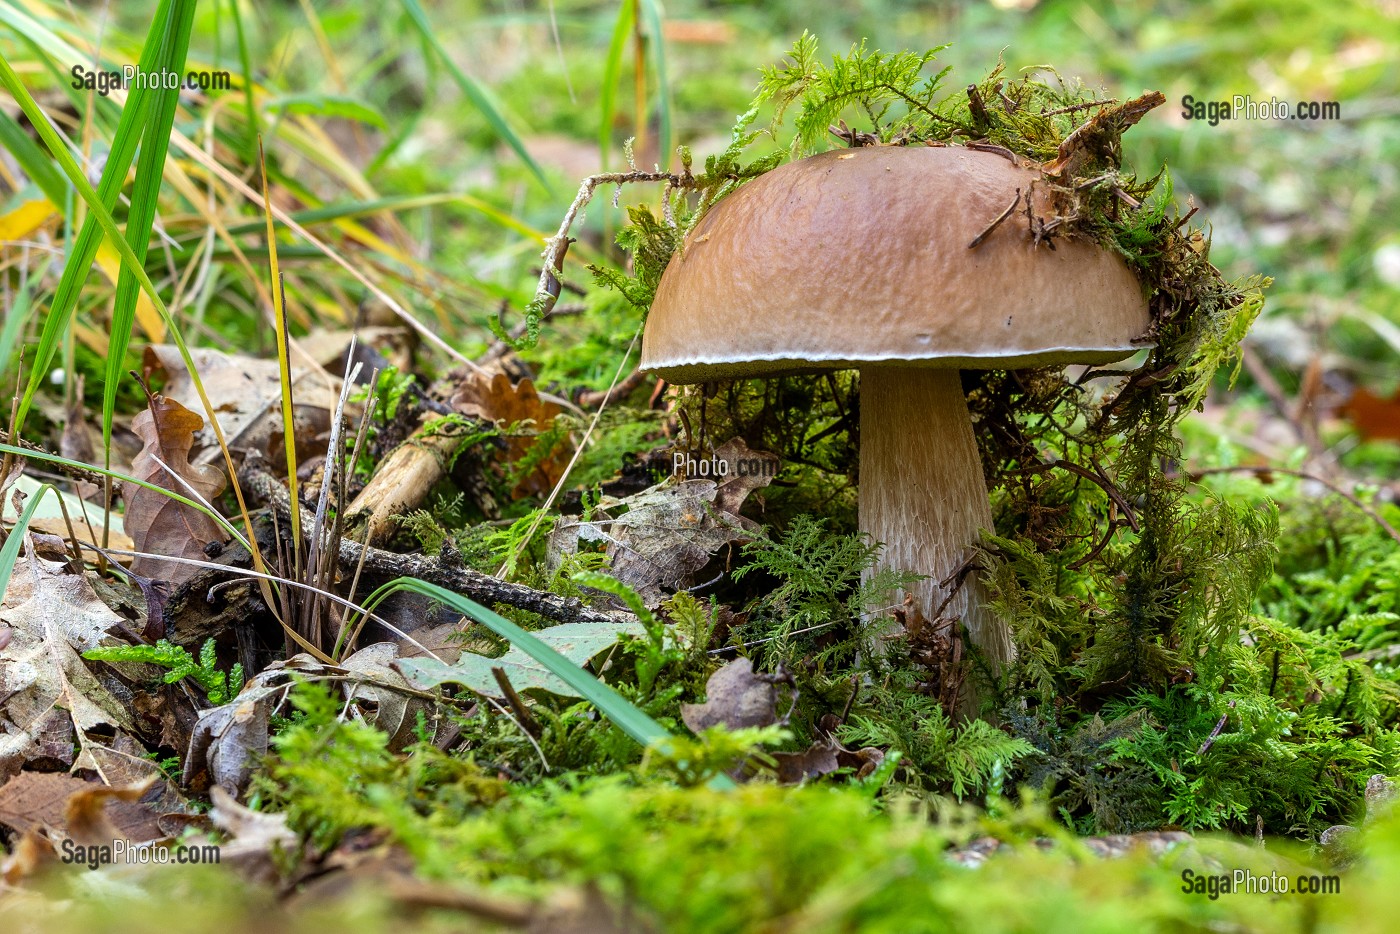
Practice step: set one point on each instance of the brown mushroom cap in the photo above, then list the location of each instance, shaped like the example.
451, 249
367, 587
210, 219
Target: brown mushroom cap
859, 257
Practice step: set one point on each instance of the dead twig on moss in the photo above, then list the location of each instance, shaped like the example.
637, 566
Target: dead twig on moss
480, 587
1265, 473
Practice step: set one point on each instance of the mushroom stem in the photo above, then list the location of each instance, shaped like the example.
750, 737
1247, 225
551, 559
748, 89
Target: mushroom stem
922, 494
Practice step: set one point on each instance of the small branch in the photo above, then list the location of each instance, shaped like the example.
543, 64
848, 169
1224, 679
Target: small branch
1263, 473
1097, 477
522, 713
977, 240
480, 587
547, 293
1084, 105
597, 397
77, 473
1210, 740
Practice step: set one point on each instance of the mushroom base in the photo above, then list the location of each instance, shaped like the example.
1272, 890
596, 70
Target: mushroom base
922, 494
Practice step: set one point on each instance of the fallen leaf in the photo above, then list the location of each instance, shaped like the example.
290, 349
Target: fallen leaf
396, 713
736, 697
665, 535
228, 740
99, 815
578, 642
813, 762
31, 856
33, 801
158, 524
258, 839
747, 470
53, 616
246, 393
1374, 418
496, 399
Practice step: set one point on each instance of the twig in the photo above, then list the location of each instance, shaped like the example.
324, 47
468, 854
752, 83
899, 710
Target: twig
77, 473
1263, 472
977, 240
471, 583
594, 397
550, 285
1096, 476
522, 713
1210, 740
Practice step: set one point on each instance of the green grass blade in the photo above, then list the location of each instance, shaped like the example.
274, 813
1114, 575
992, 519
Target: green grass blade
612, 71
650, 11
145, 193
245, 63
473, 91
31, 454
32, 160
80, 259
16, 317
10, 553
611, 704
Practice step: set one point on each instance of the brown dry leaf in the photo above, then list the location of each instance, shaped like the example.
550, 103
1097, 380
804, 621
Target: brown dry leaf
748, 470
1375, 418
496, 399
663, 535
156, 523
33, 801
735, 697
257, 837
813, 762
864, 761
31, 856
246, 393
229, 739
99, 815
54, 616
397, 712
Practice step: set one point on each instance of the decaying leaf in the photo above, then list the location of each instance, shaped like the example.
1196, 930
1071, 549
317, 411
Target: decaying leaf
228, 740
658, 538
746, 470
813, 762
736, 697
258, 838
578, 642
98, 815
246, 394
158, 524
496, 399
396, 712
33, 801
31, 855
53, 616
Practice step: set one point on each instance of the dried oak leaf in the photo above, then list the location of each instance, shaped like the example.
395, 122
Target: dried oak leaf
748, 470
246, 393
496, 399
658, 538
53, 615
735, 697
99, 815
813, 762
158, 524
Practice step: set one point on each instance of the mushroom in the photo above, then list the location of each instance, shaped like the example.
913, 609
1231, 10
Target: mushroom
861, 258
